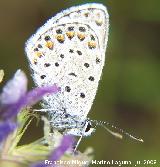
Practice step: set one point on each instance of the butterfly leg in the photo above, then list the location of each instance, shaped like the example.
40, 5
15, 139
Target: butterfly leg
43, 109
79, 140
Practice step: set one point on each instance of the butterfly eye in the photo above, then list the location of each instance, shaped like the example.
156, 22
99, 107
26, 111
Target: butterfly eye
88, 127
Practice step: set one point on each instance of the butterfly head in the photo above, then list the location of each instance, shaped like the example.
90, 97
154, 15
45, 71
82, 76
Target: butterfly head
86, 130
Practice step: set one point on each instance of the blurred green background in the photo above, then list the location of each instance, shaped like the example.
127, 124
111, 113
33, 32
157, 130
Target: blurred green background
129, 92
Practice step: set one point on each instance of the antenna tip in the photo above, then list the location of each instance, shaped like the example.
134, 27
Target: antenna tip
141, 140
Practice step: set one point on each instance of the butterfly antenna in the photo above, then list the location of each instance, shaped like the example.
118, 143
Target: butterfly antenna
116, 134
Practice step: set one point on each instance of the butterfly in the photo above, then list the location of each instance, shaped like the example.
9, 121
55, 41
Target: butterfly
69, 50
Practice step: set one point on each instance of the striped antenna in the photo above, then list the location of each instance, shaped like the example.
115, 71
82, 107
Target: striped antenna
104, 124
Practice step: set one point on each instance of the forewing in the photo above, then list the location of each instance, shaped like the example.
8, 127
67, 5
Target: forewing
70, 50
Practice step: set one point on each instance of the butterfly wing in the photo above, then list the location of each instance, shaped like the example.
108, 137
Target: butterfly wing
70, 50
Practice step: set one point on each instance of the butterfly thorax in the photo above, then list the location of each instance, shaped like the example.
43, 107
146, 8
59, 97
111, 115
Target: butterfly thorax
68, 124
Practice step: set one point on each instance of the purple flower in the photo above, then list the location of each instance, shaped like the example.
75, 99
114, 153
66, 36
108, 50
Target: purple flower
66, 144
6, 128
14, 89
14, 97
